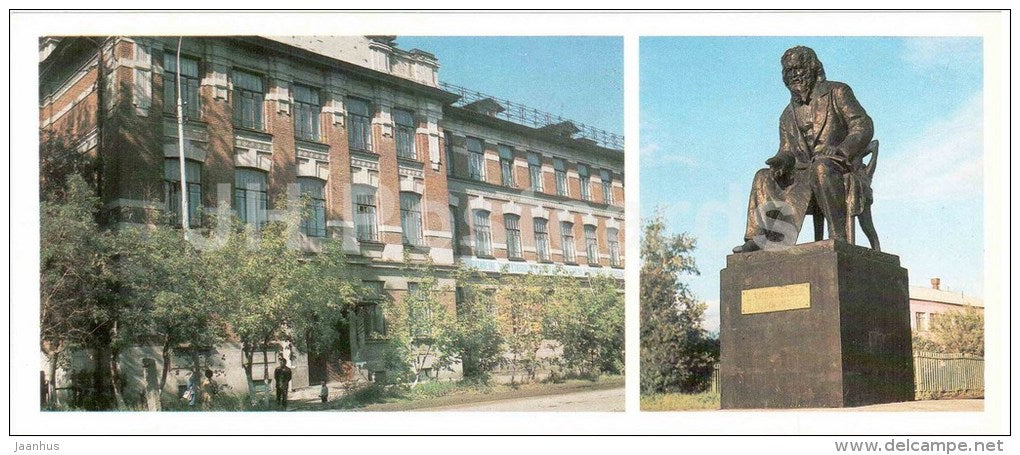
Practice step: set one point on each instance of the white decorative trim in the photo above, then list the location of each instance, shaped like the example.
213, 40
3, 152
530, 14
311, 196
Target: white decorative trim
78, 99
410, 172
512, 208
364, 163
479, 203
539, 212
589, 219
134, 203
612, 223
438, 234
390, 229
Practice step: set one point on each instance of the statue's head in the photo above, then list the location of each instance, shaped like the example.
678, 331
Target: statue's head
801, 71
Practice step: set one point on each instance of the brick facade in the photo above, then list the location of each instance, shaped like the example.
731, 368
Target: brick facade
139, 139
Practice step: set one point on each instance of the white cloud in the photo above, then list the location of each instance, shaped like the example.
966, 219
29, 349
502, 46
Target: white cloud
946, 53
941, 161
712, 316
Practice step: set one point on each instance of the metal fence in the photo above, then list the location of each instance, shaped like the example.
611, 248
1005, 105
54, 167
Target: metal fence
524, 115
937, 374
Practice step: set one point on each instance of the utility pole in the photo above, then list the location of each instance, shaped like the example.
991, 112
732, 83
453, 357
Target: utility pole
180, 146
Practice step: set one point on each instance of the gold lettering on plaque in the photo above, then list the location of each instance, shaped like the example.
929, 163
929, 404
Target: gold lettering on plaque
775, 298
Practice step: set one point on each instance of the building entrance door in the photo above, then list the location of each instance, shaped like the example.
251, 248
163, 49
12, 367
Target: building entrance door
326, 364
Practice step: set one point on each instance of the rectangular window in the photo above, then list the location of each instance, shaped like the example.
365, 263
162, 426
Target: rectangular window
313, 221
404, 132
448, 146
506, 164
591, 244
920, 322
535, 171
607, 186
483, 234
365, 214
542, 238
359, 124
410, 218
584, 181
193, 177
513, 236
248, 96
476, 159
250, 196
614, 246
189, 85
569, 249
561, 178
306, 113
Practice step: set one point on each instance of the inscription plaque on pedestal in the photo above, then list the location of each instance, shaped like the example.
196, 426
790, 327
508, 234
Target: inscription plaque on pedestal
775, 298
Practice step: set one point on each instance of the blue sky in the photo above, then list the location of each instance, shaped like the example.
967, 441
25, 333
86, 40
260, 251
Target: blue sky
709, 118
579, 78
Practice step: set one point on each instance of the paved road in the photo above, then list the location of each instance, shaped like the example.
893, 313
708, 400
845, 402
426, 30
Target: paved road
590, 400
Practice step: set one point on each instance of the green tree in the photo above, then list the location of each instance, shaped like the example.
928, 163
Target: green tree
76, 276
327, 296
519, 307
473, 339
169, 284
588, 321
960, 332
415, 323
256, 285
677, 355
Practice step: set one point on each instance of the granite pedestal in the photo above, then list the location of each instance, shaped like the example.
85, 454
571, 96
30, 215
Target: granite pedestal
823, 324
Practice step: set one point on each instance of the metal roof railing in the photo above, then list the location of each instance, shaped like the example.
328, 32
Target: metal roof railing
528, 116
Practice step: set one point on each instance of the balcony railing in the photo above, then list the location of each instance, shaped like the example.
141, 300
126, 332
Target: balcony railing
528, 116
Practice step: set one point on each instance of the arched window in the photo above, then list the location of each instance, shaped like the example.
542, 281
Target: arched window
313, 221
614, 246
542, 238
569, 249
512, 223
410, 218
250, 196
483, 233
591, 244
365, 226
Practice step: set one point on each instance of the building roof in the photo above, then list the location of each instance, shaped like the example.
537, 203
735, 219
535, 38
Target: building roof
940, 296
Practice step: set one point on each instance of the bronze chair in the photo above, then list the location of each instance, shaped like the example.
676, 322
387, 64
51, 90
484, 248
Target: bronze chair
858, 200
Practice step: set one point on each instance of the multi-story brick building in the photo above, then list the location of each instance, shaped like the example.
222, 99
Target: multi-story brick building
394, 161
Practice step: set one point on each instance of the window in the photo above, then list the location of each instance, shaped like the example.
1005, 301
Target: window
189, 85
542, 238
193, 177
920, 322
607, 186
476, 159
448, 146
584, 181
483, 234
513, 236
306, 113
614, 246
248, 94
591, 244
404, 133
313, 221
250, 196
372, 314
359, 124
506, 164
561, 178
535, 171
365, 213
410, 218
567, 234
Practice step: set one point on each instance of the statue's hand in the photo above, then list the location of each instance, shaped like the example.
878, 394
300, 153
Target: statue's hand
781, 165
